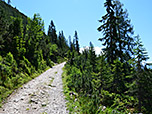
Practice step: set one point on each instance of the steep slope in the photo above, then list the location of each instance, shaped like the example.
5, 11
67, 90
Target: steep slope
10, 11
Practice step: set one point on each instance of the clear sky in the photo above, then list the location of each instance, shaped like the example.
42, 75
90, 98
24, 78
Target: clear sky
83, 16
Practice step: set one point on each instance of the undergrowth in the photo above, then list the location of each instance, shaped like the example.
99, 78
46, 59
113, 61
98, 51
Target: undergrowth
20, 79
80, 103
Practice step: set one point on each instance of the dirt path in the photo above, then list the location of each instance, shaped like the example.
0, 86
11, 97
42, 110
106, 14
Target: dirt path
42, 95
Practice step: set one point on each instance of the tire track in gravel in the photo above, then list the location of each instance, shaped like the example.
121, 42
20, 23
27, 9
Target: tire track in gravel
42, 95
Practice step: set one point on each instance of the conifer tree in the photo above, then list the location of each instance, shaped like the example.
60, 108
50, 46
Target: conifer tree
109, 32
77, 42
9, 1
141, 77
3, 21
52, 33
60, 40
34, 38
70, 44
92, 57
18, 42
117, 32
119, 43
3, 30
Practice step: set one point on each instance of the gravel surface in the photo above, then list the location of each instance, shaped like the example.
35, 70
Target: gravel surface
42, 95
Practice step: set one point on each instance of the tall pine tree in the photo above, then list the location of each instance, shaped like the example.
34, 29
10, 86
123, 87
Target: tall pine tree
77, 42
52, 33
117, 32
118, 41
143, 89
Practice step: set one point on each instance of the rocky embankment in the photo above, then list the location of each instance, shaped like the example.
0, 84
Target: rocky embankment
42, 95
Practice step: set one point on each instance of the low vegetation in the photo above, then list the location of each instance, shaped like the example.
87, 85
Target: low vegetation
25, 50
116, 81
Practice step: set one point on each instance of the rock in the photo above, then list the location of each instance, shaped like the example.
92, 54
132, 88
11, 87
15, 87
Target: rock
75, 100
44, 104
34, 100
42, 92
22, 98
16, 100
103, 108
34, 107
16, 108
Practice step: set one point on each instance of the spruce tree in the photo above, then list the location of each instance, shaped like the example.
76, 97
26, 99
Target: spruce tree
3, 30
52, 33
77, 42
92, 57
9, 1
18, 47
141, 77
60, 40
109, 32
119, 43
117, 32
34, 38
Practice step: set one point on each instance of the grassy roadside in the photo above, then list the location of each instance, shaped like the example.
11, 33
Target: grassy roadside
71, 97
78, 103
23, 79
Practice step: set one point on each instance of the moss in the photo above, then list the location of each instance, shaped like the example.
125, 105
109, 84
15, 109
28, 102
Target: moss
27, 109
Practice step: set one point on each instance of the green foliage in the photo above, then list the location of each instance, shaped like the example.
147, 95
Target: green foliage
3, 29
77, 43
10, 61
142, 86
52, 33
52, 52
39, 62
115, 82
26, 66
117, 79
117, 32
25, 49
10, 11
92, 57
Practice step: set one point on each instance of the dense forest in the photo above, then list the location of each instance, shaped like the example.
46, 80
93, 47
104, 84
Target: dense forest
25, 49
116, 81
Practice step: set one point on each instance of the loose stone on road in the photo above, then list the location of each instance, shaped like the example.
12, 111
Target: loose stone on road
42, 95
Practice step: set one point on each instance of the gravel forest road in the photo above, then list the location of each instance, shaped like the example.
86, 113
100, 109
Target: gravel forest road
42, 95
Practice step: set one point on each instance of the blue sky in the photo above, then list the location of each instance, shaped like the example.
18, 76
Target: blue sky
83, 16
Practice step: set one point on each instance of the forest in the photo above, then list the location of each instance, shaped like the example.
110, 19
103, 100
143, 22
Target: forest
114, 82
25, 49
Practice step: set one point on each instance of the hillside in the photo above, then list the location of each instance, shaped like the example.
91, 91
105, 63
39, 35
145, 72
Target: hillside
10, 11
25, 51
116, 81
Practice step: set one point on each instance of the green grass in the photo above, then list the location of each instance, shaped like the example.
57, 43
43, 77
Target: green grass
24, 78
56, 72
73, 105
81, 104
27, 109
44, 113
